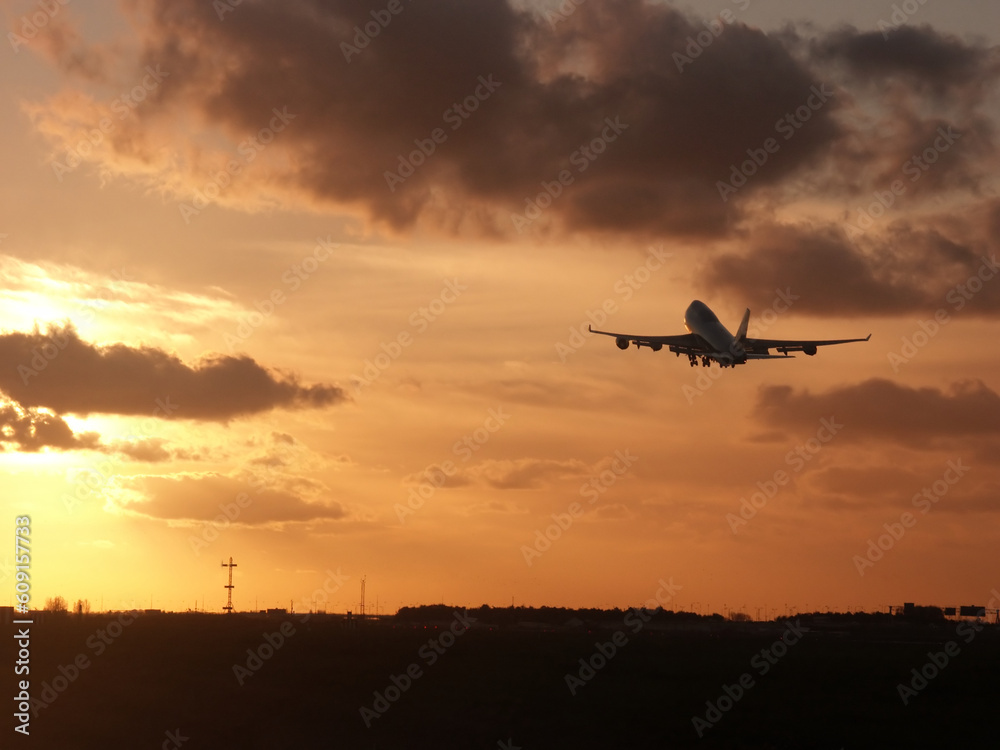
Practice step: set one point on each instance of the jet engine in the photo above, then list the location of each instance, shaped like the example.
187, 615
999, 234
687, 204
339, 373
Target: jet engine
809, 350
621, 342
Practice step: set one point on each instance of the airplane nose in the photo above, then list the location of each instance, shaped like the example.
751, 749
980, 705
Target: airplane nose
691, 313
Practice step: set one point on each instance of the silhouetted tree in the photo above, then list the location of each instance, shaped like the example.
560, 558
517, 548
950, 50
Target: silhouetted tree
56, 604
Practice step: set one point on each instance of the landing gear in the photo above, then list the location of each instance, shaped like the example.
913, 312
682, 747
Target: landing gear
706, 362
692, 360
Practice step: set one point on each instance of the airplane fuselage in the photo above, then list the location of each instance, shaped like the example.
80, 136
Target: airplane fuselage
701, 321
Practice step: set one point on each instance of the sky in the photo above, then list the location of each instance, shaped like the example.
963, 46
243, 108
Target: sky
308, 284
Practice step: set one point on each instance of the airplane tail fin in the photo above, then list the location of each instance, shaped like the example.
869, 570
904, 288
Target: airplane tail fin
741, 333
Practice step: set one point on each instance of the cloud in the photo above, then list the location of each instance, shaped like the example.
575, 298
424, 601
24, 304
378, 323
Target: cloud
59, 371
30, 430
865, 481
857, 488
907, 270
516, 101
205, 496
931, 61
550, 92
965, 413
507, 474
148, 450
524, 473
906, 88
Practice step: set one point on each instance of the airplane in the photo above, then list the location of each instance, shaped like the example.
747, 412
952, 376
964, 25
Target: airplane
709, 340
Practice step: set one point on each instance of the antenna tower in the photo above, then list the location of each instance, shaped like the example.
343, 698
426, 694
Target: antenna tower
363, 578
229, 604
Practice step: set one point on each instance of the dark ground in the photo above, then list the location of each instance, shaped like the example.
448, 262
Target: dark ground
167, 681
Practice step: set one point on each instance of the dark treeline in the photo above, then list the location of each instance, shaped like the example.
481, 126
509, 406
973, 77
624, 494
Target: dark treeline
562, 616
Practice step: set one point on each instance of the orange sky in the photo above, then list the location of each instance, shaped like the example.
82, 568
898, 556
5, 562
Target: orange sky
245, 274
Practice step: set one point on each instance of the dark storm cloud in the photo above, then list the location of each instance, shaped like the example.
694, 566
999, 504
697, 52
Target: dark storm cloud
882, 410
545, 91
517, 100
59, 371
912, 84
904, 270
929, 58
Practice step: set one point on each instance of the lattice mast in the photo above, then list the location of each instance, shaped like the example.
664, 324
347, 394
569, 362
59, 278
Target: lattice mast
229, 603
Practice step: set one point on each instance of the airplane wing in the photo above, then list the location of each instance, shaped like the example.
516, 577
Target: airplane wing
685, 343
761, 346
